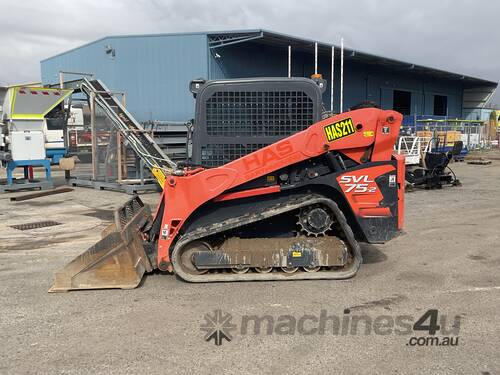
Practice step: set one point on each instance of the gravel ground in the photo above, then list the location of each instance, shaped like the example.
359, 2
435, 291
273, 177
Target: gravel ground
448, 259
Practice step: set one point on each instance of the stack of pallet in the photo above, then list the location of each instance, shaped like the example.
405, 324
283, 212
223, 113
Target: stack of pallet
446, 138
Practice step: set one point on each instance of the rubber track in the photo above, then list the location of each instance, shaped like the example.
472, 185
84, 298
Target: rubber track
306, 200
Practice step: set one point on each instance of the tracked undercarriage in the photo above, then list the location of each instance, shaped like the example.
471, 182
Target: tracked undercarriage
220, 252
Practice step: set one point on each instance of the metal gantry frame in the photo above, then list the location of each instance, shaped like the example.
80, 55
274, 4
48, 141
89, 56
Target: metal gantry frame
93, 127
140, 141
128, 129
222, 40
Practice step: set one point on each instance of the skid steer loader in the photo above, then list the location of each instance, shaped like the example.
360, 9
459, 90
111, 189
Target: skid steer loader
294, 209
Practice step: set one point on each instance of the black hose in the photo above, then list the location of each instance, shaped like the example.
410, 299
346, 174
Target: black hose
453, 173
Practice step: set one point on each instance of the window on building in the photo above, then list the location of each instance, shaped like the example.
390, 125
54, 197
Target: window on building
55, 123
440, 105
402, 101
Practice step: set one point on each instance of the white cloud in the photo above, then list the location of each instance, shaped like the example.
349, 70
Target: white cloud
457, 35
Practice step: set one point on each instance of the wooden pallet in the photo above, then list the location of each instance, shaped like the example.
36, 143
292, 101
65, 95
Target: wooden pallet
479, 161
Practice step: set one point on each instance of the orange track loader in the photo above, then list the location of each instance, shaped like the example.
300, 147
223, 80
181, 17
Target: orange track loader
295, 209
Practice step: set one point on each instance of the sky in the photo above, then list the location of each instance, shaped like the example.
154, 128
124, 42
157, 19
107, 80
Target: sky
461, 36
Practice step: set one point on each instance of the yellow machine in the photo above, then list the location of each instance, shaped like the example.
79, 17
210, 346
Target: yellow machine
495, 121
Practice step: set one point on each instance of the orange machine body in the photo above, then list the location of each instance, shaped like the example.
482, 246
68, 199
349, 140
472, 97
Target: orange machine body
365, 136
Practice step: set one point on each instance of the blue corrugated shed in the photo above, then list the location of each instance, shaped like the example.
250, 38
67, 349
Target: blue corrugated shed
155, 70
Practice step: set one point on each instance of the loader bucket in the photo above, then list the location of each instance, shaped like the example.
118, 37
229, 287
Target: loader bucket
118, 260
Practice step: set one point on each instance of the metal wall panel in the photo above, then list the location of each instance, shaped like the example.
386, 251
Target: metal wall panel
361, 81
153, 71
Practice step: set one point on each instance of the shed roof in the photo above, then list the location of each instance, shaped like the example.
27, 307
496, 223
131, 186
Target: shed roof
219, 39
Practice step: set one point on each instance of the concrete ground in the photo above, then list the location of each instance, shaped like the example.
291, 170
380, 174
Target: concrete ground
448, 259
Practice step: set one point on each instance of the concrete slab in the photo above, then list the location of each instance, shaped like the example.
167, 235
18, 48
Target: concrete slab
448, 259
